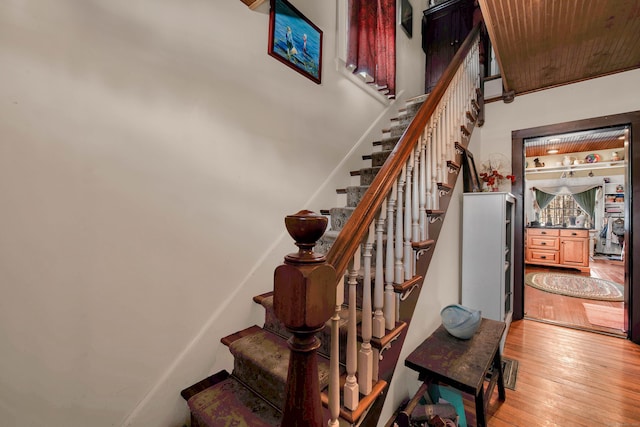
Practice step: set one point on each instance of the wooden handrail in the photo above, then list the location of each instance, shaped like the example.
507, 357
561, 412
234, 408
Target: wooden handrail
357, 226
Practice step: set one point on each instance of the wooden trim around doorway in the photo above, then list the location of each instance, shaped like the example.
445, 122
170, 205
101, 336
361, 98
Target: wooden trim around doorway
632, 287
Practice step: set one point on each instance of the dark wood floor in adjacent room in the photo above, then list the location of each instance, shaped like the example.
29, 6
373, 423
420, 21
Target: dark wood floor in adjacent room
568, 377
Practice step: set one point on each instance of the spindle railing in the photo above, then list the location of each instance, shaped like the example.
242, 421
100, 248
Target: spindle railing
401, 202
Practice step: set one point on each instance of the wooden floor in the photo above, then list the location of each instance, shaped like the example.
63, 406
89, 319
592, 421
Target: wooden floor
570, 311
568, 377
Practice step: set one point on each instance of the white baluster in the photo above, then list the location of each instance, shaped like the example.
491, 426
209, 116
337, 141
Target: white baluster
334, 363
460, 100
434, 171
450, 143
443, 140
424, 189
438, 141
464, 94
459, 106
389, 303
351, 391
378, 292
365, 356
417, 174
408, 211
399, 231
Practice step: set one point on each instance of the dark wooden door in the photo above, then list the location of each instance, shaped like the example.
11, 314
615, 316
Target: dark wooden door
444, 28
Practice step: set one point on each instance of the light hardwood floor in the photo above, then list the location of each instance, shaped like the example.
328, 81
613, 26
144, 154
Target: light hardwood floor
568, 377
570, 311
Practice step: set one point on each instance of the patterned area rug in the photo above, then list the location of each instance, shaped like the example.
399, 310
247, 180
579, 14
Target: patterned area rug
576, 286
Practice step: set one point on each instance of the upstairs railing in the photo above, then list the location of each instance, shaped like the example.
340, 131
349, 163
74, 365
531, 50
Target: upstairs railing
400, 203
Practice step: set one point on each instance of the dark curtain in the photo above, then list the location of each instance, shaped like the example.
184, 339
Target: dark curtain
587, 201
543, 199
372, 40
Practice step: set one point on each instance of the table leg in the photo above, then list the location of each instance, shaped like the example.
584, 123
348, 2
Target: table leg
497, 365
480, 409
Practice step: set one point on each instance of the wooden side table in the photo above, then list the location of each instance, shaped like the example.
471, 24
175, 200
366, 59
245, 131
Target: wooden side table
463, 364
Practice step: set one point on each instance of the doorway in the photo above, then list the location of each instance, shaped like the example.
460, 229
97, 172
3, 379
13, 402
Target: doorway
574, 202
631, 303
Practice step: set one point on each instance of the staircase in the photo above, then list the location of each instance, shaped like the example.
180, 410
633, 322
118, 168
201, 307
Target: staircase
335, 323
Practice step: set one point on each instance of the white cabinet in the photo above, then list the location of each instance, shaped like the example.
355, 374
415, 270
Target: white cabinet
487, 256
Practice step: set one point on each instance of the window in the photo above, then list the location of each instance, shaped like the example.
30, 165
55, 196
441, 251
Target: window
563, 210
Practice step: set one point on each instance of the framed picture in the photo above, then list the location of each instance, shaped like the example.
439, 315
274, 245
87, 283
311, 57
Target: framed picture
294, 40
470, 174
406, 17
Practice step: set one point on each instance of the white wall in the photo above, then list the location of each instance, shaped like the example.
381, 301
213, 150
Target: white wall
612, 94
149, 151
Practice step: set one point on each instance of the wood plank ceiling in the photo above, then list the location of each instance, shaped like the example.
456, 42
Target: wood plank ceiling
576, 142
540, 44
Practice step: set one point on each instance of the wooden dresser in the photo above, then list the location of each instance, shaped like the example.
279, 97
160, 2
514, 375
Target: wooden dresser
559, 247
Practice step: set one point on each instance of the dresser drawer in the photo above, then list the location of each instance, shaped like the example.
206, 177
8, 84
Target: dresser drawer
543, 232
574, 233
543, 242
550, 257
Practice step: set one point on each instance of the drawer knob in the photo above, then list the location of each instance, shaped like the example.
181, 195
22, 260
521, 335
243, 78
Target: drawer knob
543, 243
543, 257
574, 234
543, 232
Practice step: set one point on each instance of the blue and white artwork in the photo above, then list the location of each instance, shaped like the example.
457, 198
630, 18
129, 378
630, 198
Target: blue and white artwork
295, 40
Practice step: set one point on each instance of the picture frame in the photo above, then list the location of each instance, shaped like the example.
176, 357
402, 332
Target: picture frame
406, 17
470, 174
294, 40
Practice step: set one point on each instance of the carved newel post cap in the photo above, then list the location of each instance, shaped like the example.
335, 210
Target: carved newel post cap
306, 227
305, 285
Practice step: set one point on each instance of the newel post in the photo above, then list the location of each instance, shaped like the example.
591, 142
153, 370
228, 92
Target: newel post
304, 299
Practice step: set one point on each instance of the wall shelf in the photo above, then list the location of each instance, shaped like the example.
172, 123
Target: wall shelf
582, 166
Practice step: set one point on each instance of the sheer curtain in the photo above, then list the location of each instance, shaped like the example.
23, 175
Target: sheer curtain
371, 49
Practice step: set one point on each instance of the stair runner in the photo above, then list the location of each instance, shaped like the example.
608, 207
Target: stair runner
254, 393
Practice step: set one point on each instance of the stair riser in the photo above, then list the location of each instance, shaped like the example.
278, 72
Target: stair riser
339, 217
412, 109
274, 325
398, 129
355, 194
367, 175
261, 361
265, 374
378, 158
389, 143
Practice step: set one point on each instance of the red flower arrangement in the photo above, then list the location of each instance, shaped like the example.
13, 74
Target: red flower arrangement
493, 179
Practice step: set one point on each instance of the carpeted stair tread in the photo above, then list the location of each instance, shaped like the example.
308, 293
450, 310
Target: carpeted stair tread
261, 361
387, 143
367, 175
398, 128
328, 238
273, 325
230, 403
339, 217
354, 194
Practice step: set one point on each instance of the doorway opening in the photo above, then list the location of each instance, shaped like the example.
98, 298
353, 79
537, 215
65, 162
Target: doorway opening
574, 205
631, 239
